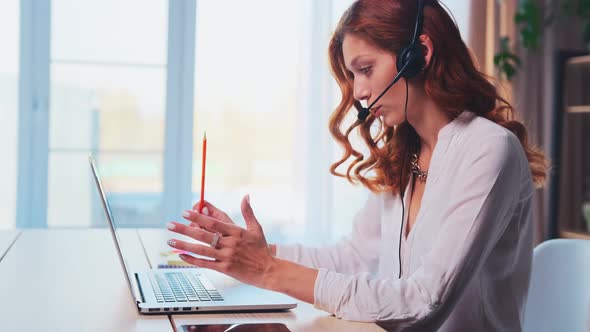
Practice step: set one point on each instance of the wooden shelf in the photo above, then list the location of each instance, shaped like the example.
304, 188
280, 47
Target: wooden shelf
576, 85
574, 235
579, 60
579, 109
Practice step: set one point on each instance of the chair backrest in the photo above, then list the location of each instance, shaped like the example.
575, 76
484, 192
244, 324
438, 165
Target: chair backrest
559, 293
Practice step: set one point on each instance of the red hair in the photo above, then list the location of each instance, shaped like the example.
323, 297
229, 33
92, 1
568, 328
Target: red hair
451, 80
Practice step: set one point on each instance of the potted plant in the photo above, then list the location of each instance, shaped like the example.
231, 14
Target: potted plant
532, 20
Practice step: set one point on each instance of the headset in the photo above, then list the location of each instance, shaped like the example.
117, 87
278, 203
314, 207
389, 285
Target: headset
410, 61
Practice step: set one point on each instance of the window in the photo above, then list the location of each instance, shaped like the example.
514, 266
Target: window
248, 100
264, 97
108, 88
460, 12
9, 62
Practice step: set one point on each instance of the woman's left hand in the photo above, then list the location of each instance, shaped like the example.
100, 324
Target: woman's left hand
239, 253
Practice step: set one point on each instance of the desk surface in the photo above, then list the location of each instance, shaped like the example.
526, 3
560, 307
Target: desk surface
6, 240
69, 280
46, 274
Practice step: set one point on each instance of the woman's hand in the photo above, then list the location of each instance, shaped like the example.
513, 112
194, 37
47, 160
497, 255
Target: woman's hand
211, 211
240, 253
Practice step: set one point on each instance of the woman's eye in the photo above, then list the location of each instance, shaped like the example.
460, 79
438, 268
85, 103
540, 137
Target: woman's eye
366, 70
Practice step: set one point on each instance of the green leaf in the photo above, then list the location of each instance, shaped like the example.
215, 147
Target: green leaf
529, 18
509, 70
587, 33
504, 43
505, 61
583, 8
497, 59
514, 58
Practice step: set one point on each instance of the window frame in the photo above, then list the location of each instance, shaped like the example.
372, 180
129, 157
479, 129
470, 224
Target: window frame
33, 117
34, 94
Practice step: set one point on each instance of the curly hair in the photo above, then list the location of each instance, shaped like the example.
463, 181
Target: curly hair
451, 80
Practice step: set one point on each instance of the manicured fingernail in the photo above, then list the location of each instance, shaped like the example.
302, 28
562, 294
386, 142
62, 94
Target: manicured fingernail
171, 242
248, 198
183, 256
205, 211
186, 214
170, 226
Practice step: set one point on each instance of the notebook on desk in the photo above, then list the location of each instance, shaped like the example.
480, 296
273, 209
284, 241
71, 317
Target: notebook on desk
186, 290
170, 259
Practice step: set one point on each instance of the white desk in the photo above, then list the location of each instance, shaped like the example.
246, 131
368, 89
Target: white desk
44, 279
303, 318
6, 240
70, 280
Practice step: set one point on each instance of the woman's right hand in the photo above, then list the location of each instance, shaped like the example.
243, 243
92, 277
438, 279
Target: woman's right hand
211, 211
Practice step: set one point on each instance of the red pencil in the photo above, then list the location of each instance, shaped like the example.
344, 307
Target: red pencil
203, 162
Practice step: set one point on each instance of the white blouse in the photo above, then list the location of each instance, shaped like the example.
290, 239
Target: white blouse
466, 262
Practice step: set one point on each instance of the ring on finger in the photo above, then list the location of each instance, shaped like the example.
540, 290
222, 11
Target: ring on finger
215, 241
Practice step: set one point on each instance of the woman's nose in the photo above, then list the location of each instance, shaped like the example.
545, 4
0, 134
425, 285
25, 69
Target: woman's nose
360, 92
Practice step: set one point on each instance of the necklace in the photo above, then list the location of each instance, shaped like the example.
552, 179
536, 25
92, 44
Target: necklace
421, 175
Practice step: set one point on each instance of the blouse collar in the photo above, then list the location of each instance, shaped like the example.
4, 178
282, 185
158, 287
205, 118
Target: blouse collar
456, 124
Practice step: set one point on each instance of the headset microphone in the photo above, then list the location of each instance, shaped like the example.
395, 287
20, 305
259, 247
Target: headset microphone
364, 111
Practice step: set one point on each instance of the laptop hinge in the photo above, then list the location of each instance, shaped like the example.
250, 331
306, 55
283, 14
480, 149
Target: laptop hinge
137, 290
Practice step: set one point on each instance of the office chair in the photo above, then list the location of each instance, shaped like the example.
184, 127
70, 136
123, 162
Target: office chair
559, 292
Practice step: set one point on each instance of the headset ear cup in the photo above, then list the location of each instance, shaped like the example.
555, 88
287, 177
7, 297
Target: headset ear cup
401, 60
413, 56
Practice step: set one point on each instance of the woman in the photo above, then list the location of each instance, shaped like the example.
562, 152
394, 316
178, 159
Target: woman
452, 250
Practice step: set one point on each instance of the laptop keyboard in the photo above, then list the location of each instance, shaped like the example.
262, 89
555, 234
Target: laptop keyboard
183, 287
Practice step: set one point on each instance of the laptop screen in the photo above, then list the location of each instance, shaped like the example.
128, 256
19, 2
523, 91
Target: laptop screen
110, 220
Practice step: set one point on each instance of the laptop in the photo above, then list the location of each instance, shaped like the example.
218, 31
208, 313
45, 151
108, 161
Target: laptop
187, 290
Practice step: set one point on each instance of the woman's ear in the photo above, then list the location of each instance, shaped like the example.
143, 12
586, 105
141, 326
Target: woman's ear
427, 49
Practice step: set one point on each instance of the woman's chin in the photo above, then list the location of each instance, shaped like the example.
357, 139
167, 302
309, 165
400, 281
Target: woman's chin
392, 119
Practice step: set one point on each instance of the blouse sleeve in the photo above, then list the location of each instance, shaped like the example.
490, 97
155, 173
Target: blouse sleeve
479, 210
357, 253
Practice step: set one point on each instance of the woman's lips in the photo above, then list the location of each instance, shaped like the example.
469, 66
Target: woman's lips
378, 111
